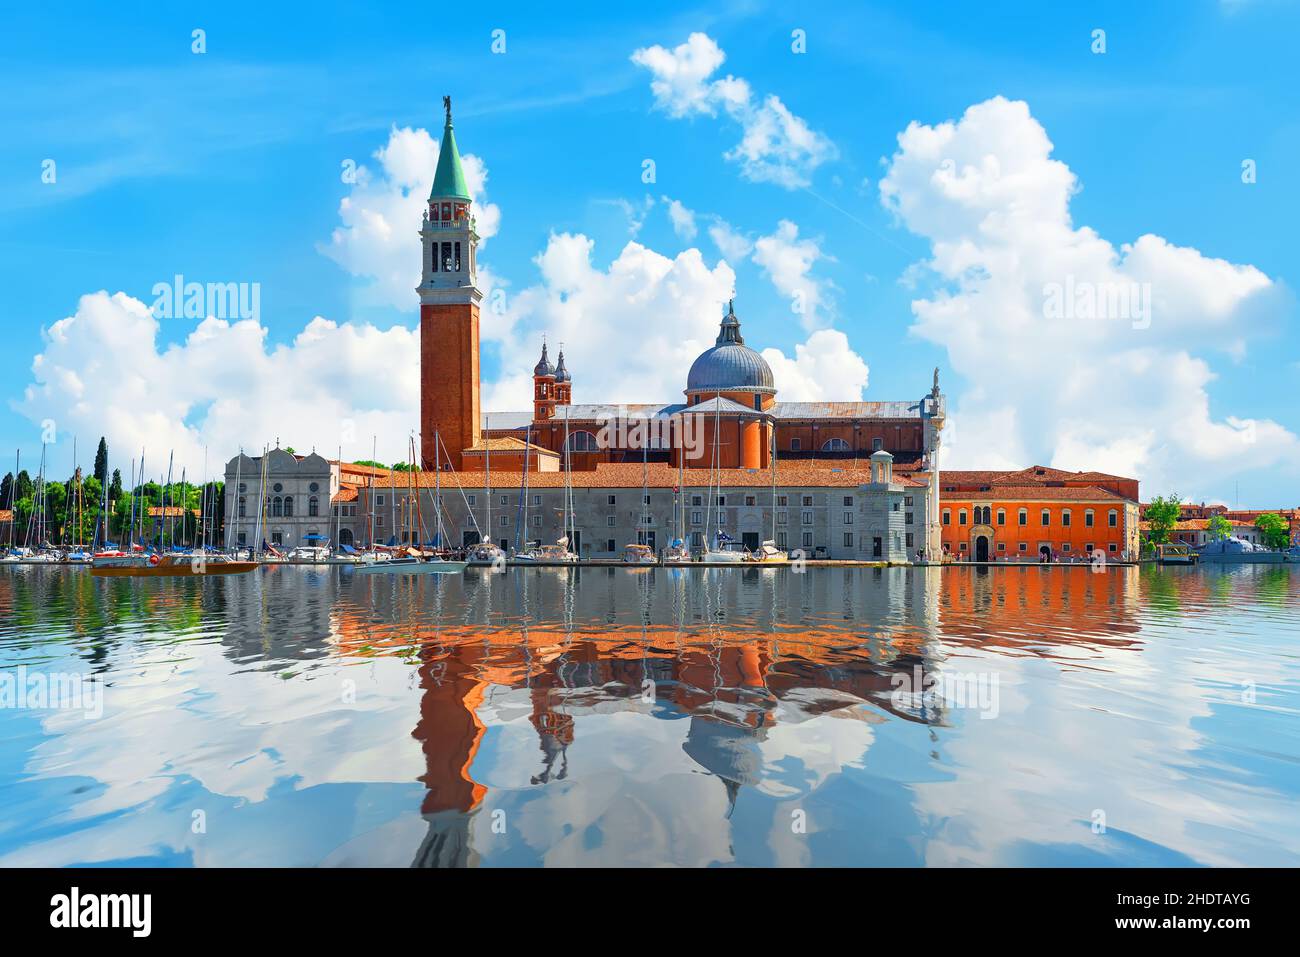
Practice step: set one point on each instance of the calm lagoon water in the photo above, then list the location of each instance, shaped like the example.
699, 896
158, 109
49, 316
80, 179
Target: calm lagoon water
299, 716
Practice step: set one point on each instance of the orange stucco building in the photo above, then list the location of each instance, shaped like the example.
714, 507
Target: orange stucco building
1038, 514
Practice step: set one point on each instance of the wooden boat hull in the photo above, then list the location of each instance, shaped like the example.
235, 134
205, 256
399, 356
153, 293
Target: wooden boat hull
178, 570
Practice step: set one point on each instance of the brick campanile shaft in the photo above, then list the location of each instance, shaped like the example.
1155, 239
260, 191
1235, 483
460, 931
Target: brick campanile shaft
449, 313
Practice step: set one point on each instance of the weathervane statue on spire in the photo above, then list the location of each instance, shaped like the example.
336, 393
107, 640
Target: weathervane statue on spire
446, 105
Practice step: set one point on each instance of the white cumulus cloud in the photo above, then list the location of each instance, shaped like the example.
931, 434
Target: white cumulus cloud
1071, 351
776, 146
103, 371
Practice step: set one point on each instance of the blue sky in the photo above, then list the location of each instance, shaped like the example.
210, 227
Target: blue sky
225, 166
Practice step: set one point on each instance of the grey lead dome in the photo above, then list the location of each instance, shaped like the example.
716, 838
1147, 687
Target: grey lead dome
730, 366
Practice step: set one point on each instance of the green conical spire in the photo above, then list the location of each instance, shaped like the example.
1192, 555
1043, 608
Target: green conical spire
449, 179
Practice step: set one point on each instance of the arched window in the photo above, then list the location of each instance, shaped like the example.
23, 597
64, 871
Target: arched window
288, 506
582, 442
277, 507
835, 445
313, 506
241, 507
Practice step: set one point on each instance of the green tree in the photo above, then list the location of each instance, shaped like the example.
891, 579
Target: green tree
371, 462
1274, 530
7, 496
115, 487
25, 485
1218, 528
1161, 516
101, 462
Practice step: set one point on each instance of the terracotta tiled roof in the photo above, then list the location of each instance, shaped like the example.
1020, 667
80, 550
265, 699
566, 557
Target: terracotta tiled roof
345, 494
1030, 493
6, 515
356, 469
1033, 475
507, 444
659, 475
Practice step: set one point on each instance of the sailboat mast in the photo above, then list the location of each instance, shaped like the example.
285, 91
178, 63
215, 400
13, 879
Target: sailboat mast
437, 490
487, 479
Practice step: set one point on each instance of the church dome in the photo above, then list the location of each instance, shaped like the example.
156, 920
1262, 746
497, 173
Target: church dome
730, 366
544, 367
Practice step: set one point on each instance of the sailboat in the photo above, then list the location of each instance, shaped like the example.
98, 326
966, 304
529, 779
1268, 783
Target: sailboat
724, 549
485, 551
768, 553
678, 552
558, 554
410, 560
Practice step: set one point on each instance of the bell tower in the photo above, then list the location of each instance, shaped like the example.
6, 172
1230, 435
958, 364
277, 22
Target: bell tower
544, 393
449, 312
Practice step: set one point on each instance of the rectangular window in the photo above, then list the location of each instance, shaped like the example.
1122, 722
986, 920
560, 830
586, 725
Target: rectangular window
910, 540
645, 499
1046, 518
379, 501
505, 520
807, 501
1087, 519
697, 518
783, 500
1112, 519
1113, 547
907, 518
537, 521
807, 539
807, 518
612, 500
907, 500
446, 257
848, 518
1065, 519
697, 499
877, 444
848, 539
505, 499
947, 517
780, 540
795, 445
470, 499
749, 500
848, 501
697, 539
961, 517
611, 545
780, 518
722, 500
611, 521
1024, 517
379, 521
1002, 517
1065, 547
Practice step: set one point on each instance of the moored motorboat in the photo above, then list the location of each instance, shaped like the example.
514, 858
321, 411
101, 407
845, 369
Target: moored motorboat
485, 553
768, 554
636, 554
412, 562
677, 553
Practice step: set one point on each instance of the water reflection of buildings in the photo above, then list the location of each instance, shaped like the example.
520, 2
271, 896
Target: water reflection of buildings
731, 651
